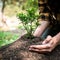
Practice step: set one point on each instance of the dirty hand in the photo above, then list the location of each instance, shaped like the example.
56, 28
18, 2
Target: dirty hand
47, 45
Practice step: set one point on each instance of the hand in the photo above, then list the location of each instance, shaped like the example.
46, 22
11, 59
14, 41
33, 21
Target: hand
47, 45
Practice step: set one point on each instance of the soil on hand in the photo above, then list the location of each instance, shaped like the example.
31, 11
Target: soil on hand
19, 50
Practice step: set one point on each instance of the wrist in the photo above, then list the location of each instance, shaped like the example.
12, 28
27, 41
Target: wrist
57, 37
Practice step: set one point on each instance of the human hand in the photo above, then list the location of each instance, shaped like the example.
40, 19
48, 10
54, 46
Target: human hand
47, 45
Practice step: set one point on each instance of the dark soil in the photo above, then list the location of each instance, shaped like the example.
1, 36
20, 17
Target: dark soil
19, 51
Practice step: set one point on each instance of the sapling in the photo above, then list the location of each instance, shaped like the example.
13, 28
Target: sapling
29, 21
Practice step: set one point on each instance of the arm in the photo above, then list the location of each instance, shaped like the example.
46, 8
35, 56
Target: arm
57, 38
40, 29
44, 18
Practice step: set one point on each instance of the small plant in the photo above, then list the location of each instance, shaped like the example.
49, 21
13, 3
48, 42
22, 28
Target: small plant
29, 21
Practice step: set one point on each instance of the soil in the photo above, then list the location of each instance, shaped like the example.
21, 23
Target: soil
19, 50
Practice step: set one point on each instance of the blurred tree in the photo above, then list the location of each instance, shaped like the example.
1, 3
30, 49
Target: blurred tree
3, 6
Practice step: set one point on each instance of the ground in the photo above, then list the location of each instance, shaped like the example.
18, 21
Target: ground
19, 51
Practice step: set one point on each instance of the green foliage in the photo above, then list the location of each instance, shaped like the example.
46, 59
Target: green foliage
30, 3
7, 38
29, 20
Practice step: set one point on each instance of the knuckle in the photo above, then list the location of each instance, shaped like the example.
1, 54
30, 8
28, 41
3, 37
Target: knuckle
49, 45
50, 50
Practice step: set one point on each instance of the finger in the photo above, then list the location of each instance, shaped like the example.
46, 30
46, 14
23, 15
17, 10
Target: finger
51, 42
41, 51
46, 46
47, 40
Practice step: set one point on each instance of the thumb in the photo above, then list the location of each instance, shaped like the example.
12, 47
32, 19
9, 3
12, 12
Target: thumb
47, 40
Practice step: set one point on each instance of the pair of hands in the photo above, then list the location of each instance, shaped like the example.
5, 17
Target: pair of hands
47, 45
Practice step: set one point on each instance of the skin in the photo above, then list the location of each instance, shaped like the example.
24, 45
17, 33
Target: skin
49, 43
38, 32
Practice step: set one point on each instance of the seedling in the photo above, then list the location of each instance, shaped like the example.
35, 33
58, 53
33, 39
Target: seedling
29, 21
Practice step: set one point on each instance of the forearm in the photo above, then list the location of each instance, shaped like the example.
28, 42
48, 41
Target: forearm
58, 37
40, 29
44, 18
